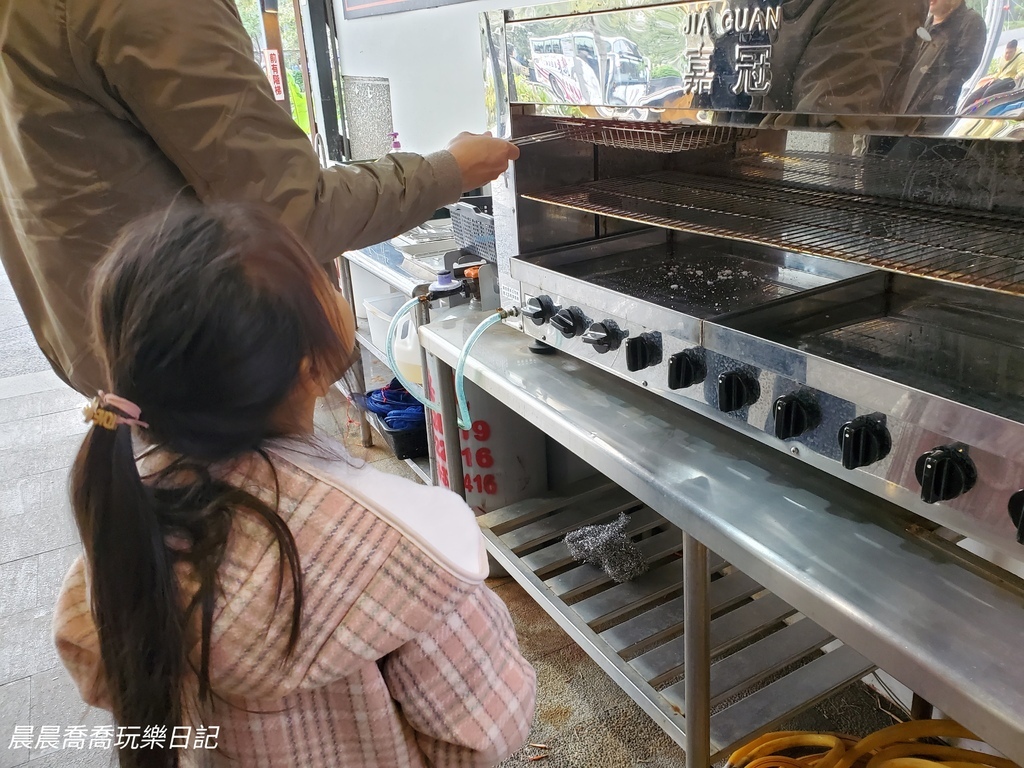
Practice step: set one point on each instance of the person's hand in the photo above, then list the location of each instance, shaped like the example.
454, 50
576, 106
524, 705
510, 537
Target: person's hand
481, 159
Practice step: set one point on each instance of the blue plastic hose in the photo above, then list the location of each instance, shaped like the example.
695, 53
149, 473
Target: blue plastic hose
460, 369
389, 351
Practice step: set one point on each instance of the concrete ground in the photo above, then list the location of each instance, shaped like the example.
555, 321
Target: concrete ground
584, 719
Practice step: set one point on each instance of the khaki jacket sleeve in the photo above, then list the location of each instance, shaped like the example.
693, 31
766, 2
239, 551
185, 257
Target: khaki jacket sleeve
185, 72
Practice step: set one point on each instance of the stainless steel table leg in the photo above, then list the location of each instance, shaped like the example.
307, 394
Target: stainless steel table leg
421, 316
920, 709
358, 374
445, 387
697, 653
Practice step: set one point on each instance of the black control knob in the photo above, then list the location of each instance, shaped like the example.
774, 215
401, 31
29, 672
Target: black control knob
864, 440
643, 351
737, 389
1016, 510
605, 336
540, 309
795, 414
570, 322
945, 473
686, 368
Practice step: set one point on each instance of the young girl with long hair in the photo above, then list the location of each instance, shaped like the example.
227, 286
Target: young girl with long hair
243, 577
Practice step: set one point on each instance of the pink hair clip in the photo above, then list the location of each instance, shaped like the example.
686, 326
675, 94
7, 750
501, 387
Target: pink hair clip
99, 413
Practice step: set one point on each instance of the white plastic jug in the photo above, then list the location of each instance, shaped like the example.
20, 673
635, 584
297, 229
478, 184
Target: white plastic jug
407, 351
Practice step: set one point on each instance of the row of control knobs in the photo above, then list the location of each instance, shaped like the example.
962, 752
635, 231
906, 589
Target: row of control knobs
944, 473
643, 351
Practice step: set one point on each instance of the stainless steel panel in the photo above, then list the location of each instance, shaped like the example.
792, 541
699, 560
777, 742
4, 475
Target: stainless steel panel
544, 166
726, 632
917, 421
764, 709
666, 620
781, 64
623, 598
502, 520
744, 622
766, 657
560, 523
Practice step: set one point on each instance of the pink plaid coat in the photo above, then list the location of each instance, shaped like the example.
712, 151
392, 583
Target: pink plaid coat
405, 658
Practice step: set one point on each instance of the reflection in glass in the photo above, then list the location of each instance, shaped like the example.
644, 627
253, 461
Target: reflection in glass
867, 66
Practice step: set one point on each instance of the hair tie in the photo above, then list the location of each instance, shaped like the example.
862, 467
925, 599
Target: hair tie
99, 413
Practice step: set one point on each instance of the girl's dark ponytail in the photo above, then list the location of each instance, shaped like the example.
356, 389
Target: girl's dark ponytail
205, 317
135, 595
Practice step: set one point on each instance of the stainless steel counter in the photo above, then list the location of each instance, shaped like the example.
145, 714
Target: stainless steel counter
945, 625
404, 274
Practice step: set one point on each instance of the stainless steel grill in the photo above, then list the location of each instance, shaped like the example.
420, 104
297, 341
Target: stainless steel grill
952, 342
979, 249
835, 269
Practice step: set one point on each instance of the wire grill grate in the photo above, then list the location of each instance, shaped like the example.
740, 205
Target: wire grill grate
650, 137
970, 183
984, 250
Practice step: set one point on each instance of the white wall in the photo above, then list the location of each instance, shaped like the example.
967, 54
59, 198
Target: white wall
432, 58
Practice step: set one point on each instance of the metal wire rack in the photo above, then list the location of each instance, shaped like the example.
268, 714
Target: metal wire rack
963, 183
650, 137
984, 250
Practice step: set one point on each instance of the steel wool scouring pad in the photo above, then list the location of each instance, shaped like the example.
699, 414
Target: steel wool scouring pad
609, 548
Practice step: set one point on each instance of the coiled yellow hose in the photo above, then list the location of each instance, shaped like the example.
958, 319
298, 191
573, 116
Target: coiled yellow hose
893, 747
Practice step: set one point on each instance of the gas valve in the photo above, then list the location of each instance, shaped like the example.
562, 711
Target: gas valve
643, 351
736, 390
945, 473
570, 322
539, 309
605, 336
864, 440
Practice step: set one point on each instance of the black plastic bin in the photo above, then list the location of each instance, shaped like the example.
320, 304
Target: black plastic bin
406, 443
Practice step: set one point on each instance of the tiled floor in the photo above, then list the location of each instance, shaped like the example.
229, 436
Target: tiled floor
40, 426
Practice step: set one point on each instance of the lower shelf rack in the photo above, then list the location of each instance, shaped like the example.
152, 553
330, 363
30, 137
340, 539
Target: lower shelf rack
768, 663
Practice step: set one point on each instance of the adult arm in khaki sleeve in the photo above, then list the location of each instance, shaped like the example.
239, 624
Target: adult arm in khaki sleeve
185, 72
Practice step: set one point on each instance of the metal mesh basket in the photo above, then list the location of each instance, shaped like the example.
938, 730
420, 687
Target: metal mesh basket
651, 137
473, 230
